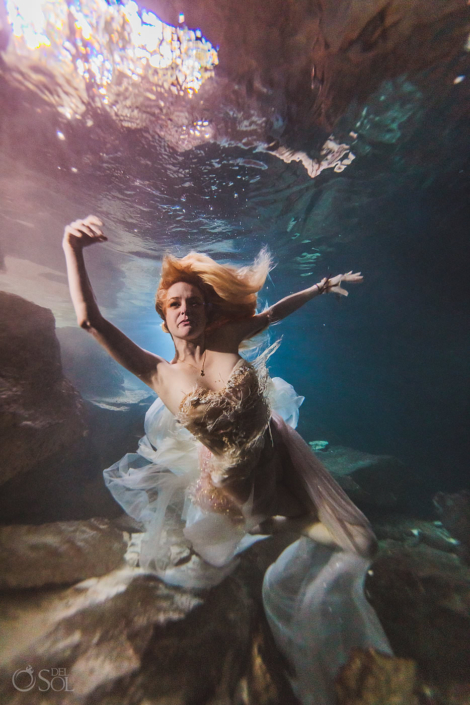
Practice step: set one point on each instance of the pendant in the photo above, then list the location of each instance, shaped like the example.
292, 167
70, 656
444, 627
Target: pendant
202, 373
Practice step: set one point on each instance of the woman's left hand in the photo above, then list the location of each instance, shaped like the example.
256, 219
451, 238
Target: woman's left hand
333, 284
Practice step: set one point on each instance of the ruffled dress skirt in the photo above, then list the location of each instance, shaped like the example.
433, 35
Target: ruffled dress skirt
313, 595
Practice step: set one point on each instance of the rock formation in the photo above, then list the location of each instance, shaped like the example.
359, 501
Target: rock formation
41, 414
126, 637
60, 553
53, 445
371, 678
454, 512
370, 480
90, 369
421, 596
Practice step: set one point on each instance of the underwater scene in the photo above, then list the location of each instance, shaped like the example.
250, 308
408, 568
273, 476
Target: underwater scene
234, 352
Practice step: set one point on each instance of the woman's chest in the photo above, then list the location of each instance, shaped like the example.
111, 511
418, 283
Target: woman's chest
178, 381
228, 419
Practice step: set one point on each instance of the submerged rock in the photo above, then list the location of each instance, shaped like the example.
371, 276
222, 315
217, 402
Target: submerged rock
376, 480
69, 485
53, 445
422, 598
40, 411
90, 369
126, 637
61, 553
97, 630
412, 531
454, 513
372, 678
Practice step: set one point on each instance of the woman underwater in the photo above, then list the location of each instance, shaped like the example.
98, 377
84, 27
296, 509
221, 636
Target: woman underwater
221, 463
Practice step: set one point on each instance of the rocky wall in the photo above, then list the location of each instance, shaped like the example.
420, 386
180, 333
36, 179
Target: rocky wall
41, 413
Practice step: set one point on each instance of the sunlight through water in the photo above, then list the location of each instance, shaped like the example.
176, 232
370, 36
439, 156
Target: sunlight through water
103, 43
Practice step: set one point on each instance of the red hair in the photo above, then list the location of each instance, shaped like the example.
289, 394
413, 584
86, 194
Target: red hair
230, 292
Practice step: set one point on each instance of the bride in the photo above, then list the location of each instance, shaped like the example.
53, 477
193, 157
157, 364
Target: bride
221, 465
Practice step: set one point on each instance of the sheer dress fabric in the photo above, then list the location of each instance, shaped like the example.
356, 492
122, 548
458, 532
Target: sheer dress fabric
174, 485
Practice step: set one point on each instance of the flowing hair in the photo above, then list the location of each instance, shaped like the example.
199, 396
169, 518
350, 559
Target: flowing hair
230, 293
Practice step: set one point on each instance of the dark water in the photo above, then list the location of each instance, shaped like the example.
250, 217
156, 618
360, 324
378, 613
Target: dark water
386, 370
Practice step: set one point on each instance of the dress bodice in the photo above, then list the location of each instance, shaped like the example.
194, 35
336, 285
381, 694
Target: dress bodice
231, 425
231, 420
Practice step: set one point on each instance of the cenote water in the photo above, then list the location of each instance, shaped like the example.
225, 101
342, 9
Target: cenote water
337, 136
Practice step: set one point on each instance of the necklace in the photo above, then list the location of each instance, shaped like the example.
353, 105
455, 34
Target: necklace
202, 373
203, 363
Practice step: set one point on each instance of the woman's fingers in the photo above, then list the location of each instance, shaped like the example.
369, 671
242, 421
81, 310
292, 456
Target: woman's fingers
83, 228
87, 231
94, 223
333, 284
93, 220
339, 290
334, 281
70, 230
352, 277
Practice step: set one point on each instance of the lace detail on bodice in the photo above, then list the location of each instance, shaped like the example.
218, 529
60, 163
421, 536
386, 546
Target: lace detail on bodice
231, 419
231, 424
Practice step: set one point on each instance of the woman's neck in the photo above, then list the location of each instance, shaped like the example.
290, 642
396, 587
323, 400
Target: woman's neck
189, 350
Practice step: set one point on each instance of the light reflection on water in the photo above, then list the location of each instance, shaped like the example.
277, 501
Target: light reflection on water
100, 41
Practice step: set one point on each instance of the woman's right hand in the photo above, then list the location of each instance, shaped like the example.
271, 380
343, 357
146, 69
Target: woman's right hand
82, 233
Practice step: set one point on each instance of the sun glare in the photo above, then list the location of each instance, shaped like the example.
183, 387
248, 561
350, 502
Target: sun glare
102, 40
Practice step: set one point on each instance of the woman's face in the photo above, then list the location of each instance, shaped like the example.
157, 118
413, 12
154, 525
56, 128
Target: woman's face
185, 312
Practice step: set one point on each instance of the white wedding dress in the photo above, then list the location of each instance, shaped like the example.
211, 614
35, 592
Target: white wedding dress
201, 481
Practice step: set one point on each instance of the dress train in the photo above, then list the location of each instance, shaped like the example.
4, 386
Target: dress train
314, 601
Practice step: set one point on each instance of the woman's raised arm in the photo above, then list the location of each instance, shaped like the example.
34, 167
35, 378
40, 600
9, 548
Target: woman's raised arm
77, 235
289, 304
